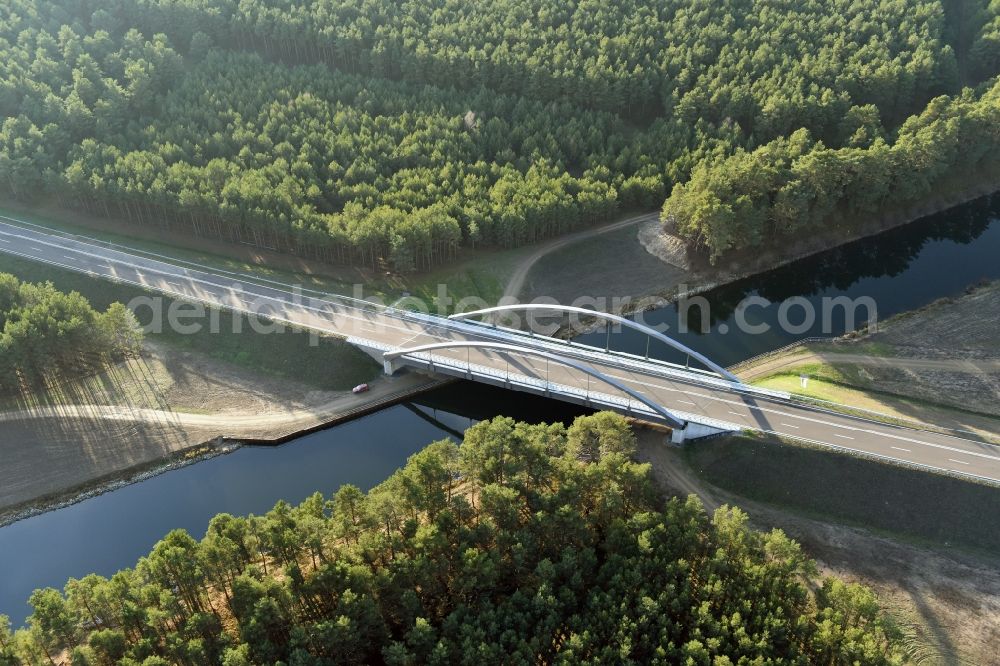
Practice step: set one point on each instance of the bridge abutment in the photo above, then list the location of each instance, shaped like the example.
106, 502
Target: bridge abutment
692, 431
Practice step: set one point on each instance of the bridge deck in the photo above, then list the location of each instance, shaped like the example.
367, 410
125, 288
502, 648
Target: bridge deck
694, 396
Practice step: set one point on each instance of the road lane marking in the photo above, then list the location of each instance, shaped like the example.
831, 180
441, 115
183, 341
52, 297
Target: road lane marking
326, 313
688, 402
911, 463
255, 290
842, 436
901, 449
789, 425
737, 413
960, 462
781, 412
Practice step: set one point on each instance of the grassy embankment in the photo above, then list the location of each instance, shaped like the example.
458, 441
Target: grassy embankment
935, 365
850, 388
818, 483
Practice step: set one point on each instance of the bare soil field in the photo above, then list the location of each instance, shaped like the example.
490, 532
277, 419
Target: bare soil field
946, 599
150, 410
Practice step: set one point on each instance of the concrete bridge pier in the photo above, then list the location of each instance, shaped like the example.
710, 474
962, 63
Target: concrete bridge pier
692, 431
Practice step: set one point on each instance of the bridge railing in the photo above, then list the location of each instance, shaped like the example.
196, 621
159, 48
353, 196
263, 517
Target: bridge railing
574, 349
589, 397
515, 380
314, 297
131, 252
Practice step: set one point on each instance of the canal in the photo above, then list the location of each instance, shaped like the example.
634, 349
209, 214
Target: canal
902, 269
898, 270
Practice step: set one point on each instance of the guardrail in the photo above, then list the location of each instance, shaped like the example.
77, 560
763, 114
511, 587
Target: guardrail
587, 352
186, 265
158, 263
753, 360
516, 381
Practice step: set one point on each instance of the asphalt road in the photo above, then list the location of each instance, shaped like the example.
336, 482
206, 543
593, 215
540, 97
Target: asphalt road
688, 396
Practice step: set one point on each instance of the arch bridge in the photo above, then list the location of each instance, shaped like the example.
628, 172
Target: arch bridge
554, 382
651, 333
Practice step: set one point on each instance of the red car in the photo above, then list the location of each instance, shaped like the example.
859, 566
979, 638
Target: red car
360, 388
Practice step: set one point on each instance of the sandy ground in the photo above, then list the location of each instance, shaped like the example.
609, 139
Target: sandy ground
601, 270
947, 600
150, 409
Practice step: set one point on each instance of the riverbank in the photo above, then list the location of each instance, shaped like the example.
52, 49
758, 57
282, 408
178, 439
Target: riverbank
152, 414
636, 270
627, 267
740, 265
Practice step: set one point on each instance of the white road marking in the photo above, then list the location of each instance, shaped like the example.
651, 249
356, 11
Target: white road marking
842, 436
901, 449
779, 412
960, 462
789, 425
736, 413
912, 463
4, 241
688, 402
325, 312
66, 256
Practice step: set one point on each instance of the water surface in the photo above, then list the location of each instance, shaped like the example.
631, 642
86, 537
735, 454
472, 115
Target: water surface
109, 532
901, 269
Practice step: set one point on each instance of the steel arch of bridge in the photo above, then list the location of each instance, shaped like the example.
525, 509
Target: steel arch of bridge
658, 409
607, 316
